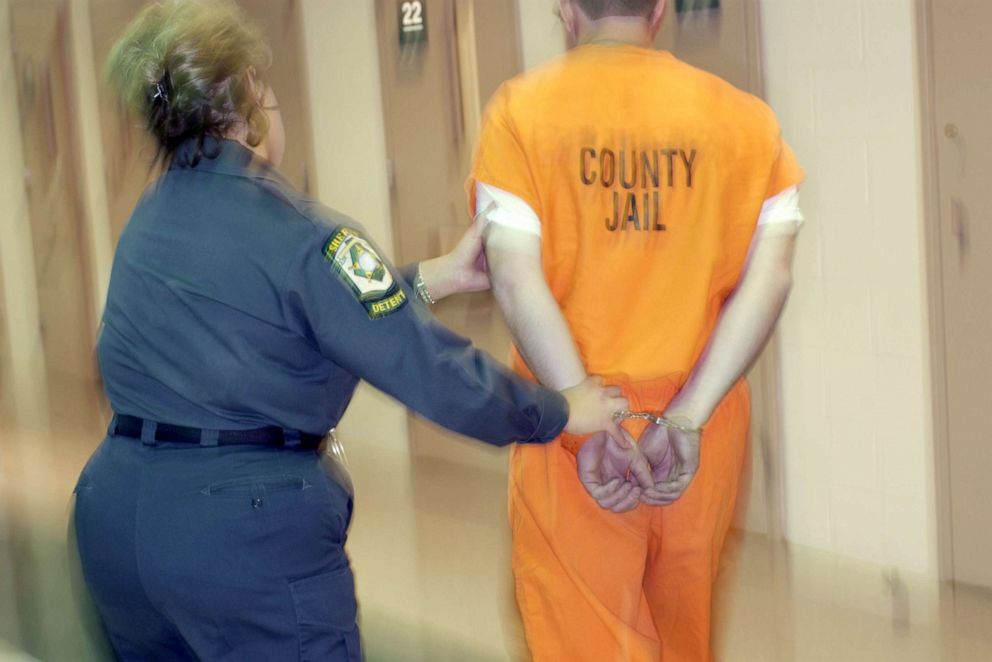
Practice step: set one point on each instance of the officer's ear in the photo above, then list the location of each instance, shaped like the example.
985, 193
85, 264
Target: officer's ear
257, 118
657, 16
256, 88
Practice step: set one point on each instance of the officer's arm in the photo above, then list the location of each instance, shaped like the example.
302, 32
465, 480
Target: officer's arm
538, 326
744, 326
400, 349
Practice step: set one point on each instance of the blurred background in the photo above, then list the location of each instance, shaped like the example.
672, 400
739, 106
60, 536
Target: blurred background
864, 532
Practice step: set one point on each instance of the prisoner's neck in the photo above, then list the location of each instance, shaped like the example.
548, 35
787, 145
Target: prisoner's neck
619, 30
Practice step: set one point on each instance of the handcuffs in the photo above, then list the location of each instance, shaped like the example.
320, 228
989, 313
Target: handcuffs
655, 419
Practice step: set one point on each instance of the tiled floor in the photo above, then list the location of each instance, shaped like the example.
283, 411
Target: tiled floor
430, 549
449, 595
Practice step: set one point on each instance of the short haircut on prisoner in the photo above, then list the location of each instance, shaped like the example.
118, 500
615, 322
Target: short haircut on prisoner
597, 9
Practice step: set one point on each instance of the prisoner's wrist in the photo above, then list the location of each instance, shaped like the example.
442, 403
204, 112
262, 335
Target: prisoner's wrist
682, 422
685, 415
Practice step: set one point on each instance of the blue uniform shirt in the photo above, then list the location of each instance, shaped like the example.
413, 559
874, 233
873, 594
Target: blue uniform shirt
237, 303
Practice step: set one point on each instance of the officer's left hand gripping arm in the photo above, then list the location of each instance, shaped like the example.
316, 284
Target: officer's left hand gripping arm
462, 270
403, 351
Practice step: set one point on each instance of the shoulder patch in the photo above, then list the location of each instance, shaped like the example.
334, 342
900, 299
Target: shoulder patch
357, 264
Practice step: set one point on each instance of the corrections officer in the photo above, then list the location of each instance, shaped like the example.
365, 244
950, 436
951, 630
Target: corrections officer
644, 222
239, 319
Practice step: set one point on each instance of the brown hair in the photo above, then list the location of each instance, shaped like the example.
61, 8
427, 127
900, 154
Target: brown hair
597, 9
184, 66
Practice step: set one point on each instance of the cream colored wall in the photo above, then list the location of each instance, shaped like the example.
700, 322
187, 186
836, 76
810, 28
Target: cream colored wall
22, 389
858, 465
541, 34
342, 63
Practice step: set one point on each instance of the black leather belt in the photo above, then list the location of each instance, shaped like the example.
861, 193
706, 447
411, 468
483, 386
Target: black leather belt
132, 426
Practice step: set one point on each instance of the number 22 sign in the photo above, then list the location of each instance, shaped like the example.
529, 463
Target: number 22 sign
413, 21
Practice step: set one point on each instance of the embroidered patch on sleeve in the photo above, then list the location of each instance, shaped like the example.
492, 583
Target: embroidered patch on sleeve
358, 265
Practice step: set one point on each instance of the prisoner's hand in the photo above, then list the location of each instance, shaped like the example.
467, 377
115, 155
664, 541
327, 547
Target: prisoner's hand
612, 474
674, 458
591, 408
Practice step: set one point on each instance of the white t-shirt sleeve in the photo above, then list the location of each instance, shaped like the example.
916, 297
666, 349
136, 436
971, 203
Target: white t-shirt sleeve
782, 208
506, 209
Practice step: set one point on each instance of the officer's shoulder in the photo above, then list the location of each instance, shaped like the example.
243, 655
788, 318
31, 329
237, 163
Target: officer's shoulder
312, 218
323, 220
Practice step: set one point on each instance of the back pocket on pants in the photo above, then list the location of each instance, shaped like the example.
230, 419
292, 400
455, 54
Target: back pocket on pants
326, 616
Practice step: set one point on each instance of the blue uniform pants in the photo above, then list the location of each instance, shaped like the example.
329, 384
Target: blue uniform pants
217, 552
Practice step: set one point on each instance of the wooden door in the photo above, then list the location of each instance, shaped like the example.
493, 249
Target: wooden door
39, 43
961, 96
128, 150
6, 376
433, 93
433, 90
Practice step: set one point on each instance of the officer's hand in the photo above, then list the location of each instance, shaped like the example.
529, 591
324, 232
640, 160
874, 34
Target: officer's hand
591, 407
612, 474
468, 260
674, 458
464, 269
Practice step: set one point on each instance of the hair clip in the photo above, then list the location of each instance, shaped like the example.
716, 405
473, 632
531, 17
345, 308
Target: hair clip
160, 92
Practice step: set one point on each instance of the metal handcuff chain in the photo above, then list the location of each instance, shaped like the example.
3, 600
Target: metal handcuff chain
656, 419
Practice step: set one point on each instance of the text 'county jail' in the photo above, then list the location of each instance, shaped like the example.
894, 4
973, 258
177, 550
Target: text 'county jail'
636, 177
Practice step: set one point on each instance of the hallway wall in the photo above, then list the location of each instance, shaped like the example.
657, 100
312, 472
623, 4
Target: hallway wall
350, 156
858, 451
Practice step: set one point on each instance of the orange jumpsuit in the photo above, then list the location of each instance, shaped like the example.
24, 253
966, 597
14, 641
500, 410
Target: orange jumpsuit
648, 176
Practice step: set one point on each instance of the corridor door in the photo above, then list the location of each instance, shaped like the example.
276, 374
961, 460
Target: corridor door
433, 92
41, 61
962, 94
